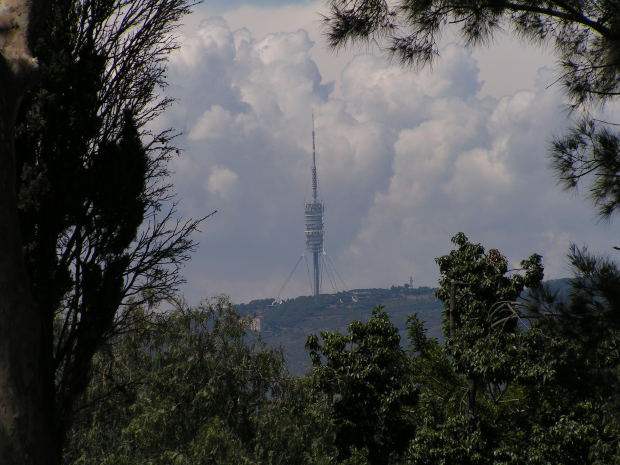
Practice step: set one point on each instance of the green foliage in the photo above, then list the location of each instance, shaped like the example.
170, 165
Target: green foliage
194, 387
587, 380
288, 324
590, 148
502, 392
366, 376
296, 428
484, 323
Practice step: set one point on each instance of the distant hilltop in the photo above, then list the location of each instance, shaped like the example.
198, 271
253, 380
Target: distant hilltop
288, 324
334, 311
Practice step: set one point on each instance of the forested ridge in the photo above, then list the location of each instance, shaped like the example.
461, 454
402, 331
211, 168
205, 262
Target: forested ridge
102, 361
506, 386
288, 323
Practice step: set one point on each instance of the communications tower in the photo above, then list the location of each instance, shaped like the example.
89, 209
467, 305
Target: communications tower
314, 223
322, 263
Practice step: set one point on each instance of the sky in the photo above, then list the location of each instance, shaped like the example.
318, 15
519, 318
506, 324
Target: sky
405, 159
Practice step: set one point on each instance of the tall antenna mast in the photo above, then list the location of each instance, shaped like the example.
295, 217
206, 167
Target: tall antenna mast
314, 222
314, 177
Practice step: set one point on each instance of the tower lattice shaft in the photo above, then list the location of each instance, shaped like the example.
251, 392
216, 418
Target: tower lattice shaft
314, 222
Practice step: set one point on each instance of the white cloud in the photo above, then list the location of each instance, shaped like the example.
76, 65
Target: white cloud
406, 160
213, 124
222, 182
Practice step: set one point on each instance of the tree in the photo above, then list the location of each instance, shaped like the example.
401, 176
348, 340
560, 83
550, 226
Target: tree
366, 376
23, 430
84, 177
509, 387
481, 322
586, 328
466, 384
194, 386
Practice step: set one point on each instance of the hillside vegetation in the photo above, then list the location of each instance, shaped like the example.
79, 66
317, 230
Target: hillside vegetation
288, 324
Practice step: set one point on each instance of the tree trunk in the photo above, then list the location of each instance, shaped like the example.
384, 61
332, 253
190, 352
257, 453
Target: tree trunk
26, 435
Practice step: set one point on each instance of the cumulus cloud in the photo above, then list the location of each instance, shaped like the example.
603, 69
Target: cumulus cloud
406, 160
222, 182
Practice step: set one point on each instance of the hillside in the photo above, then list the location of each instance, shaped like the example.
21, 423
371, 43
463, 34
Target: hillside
289, 323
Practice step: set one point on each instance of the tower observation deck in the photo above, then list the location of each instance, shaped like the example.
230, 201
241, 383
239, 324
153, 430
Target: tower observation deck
313, 213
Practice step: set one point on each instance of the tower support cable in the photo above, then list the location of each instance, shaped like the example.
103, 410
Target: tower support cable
289, 277
331, 263
330, 274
